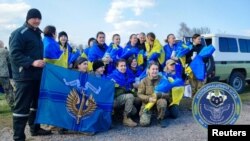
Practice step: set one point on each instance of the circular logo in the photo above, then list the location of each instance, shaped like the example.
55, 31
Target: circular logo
216, 103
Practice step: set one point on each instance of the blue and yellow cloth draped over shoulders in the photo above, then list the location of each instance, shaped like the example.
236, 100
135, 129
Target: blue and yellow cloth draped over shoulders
115, 51
130, 50
155, 53
53, 54
173, 83
96, 52
134, 73
168, 53
168, 50
198, 66
121, 79
86, 51
57, 55
74, 100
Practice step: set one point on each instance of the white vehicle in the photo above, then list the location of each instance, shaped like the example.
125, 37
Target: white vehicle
232, 58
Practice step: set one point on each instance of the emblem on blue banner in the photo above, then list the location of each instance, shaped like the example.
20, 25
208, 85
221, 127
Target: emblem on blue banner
216, 104
80, 107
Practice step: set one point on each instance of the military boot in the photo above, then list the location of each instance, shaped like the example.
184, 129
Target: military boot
35, 129
129, 122
19, 124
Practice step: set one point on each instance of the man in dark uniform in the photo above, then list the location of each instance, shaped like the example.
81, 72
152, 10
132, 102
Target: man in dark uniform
26, 56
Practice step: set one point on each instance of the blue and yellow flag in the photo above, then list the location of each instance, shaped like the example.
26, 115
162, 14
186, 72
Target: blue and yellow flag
75, 101
198, 66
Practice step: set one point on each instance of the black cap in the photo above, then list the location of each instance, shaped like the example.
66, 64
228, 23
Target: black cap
33, 13
97, 64
79, 60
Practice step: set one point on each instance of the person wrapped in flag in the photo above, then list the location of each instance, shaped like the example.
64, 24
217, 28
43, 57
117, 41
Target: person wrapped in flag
123, 92
99, 51
147, 96
196, 59
131, 49
60, 54
115, 52
134, 70
171, 49
154, 50
91, 42
172, 85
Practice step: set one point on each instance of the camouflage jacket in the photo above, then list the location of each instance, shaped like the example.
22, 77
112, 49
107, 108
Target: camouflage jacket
4, 72
146, 88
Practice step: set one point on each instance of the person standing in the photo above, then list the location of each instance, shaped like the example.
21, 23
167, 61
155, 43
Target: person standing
26, 56
155, 51
4, 75
196, 49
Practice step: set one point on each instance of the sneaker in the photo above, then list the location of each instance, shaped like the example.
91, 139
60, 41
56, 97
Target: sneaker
41, 132
163, 123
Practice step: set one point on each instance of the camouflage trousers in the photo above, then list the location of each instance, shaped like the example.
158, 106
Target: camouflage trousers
145, 116
126, 100
195, 85
8, 90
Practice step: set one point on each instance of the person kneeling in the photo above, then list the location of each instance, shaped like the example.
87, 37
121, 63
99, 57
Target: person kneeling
146, 94
123, 93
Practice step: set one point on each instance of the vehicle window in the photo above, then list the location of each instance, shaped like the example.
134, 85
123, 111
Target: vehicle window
228, 44
243, 45
208, 41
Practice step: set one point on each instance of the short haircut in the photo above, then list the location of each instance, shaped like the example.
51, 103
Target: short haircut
49, 31
119, 61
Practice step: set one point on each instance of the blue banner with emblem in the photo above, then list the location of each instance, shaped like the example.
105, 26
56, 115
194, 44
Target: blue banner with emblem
75, 101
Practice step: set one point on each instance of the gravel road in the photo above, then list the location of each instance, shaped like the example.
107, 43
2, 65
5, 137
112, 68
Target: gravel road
184, 128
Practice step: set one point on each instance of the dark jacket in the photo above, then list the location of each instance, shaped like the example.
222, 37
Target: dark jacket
195, 48
26, 46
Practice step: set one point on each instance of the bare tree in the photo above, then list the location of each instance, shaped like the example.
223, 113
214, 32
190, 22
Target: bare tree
201, 30
186, 31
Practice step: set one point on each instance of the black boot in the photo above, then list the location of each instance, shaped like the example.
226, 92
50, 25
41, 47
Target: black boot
19, 124
163, 123
35, 129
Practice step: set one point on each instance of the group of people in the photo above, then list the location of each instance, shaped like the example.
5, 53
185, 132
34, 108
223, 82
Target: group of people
148, 77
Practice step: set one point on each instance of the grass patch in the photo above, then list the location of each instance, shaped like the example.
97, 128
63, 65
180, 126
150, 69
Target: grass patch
245, 97
5, 113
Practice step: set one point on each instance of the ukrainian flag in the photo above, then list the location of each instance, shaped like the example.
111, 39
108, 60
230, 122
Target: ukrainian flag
157, 48
53, 54
198, 66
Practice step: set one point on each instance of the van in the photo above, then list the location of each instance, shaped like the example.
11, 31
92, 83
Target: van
231, 58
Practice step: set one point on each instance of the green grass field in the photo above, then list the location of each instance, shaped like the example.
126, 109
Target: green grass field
5, 113
6, 116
